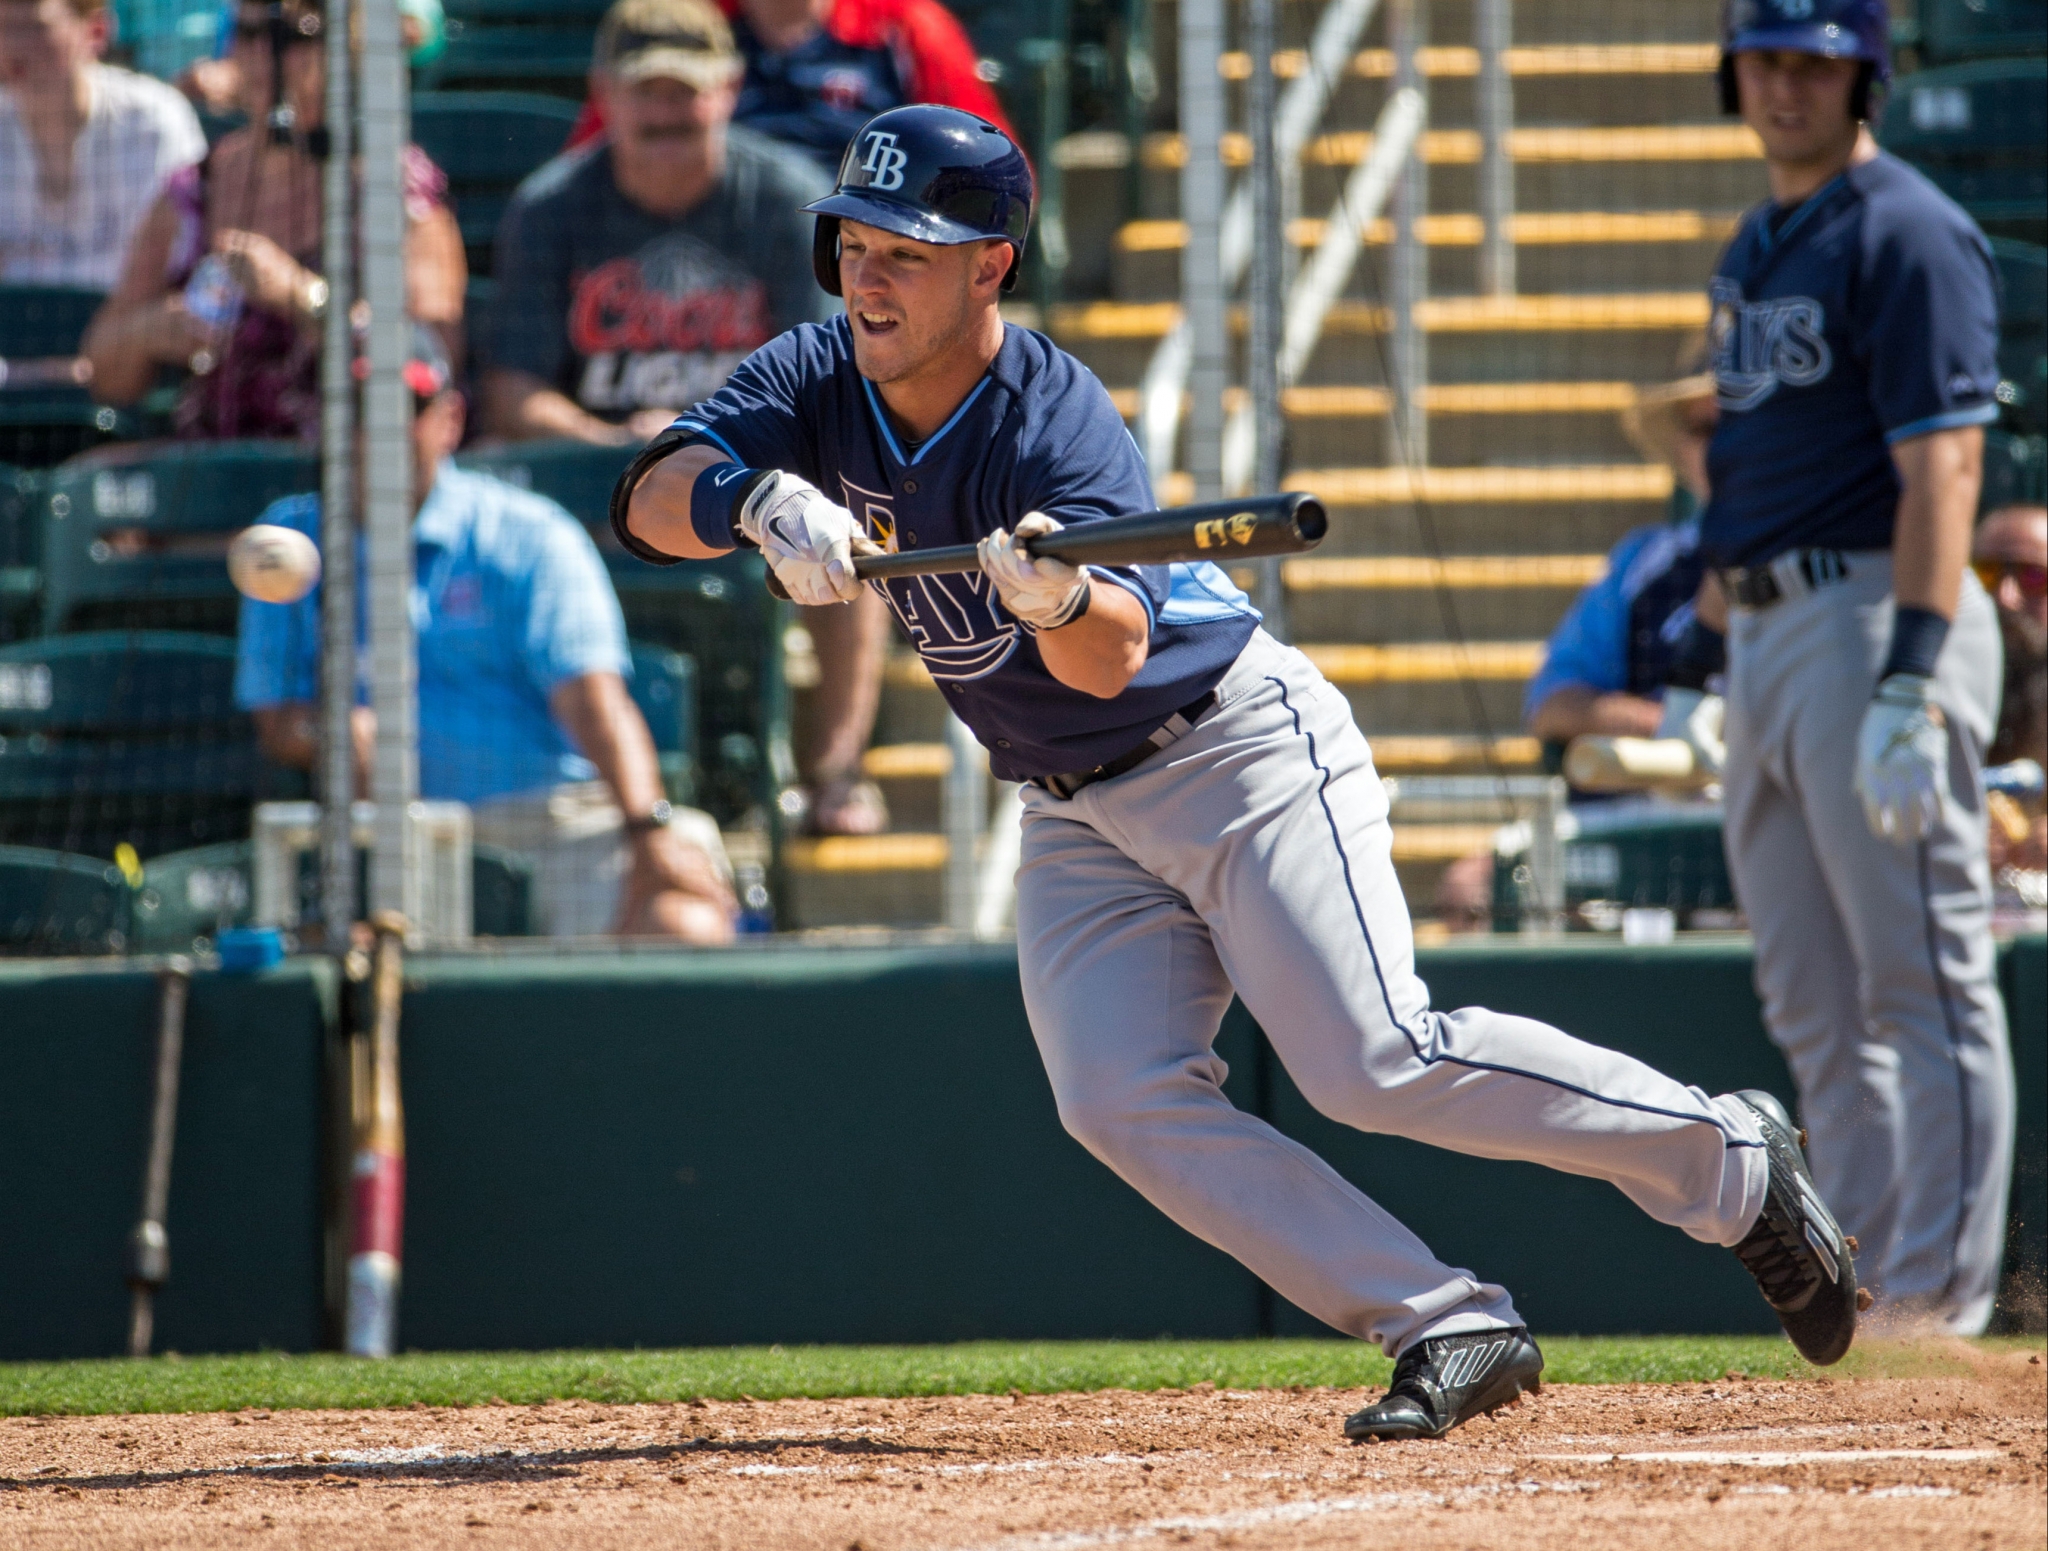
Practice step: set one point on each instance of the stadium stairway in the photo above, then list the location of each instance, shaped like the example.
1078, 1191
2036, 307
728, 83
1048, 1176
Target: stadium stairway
1627, 183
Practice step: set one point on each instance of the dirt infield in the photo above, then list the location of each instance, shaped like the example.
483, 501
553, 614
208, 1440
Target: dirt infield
1953, 1462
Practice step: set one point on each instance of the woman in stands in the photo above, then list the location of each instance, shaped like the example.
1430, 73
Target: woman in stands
223, 278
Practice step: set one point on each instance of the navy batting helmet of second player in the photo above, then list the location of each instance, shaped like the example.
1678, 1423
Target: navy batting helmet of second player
1833, 29
929, 173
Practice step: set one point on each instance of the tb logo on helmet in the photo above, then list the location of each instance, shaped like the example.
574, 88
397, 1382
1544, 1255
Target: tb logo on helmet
885, 161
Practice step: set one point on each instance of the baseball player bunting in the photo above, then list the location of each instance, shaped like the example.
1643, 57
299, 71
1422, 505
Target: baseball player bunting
1202, 816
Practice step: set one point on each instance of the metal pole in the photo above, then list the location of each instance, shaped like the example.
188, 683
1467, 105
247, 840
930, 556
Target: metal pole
1493, 22
1268, 278
1201, 265
1409, 282
387, 437
1054, 253
338, 527
963, 802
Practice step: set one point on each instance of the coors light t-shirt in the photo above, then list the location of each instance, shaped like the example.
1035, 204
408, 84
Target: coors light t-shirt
623, 310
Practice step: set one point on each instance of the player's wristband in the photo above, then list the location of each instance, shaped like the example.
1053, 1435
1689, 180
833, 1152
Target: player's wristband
1917, 635
1701, 653
715, 502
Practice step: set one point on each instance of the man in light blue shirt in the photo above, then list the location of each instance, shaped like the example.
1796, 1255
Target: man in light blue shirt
1603, 668
523, 708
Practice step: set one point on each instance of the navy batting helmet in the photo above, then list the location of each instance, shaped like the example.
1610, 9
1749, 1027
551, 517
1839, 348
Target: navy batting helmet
931, 173
1834, 29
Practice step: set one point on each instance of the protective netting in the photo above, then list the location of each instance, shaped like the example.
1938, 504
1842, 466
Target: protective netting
1498, 393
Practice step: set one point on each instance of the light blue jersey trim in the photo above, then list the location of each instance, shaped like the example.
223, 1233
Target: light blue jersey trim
1767, 240
1982, 414
1197, 592
1130, 586
889, 436
701, 429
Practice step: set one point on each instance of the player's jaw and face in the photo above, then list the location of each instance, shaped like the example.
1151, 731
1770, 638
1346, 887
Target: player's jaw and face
1798, 104
920, 310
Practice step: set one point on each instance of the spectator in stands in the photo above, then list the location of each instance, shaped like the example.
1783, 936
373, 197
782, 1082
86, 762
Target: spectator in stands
819, 69
224, 276
84, 148
2010, 556
636, 272
523, 708
1603, 669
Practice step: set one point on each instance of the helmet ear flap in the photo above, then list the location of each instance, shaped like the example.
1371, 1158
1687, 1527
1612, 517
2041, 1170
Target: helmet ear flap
1860, 103
1731, 99
825, 253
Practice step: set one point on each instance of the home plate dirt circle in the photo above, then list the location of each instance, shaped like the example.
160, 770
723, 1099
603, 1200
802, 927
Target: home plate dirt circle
1815, 1465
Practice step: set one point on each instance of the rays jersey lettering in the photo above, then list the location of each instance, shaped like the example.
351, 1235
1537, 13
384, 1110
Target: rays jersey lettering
1861, 318
954, 621
1762, 345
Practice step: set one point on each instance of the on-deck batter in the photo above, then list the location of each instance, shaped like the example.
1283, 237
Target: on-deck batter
1855, 336
1203, 814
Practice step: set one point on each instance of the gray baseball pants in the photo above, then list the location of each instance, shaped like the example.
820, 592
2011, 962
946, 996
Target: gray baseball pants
1254, 853
1874, 960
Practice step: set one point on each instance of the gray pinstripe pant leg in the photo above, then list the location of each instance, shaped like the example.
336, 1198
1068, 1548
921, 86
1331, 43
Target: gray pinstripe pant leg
1875, 961
1254, 854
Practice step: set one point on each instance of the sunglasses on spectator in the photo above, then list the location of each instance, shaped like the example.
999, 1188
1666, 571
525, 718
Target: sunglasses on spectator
2031, 579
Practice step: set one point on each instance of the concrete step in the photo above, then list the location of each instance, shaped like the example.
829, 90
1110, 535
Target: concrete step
1396, 598
1626, 335
898, 880
1561, 251
1469, 423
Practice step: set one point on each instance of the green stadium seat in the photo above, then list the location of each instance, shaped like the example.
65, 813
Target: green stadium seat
664, 687
2015, 471
46, 415
2023, 333
716, 612
52, 902
1977, 130
1952, 30
487, 142
1627, 854
542, 53
188, 896
135, 537
21, 576
112, 737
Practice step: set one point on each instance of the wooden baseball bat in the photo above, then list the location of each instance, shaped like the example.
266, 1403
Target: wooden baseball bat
1288, 524
149, 1246
1600, 764
377, 1195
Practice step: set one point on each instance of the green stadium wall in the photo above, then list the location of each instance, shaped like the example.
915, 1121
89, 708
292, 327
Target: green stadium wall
794, 1145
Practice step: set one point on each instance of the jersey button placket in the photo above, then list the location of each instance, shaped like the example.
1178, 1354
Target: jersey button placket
910, 487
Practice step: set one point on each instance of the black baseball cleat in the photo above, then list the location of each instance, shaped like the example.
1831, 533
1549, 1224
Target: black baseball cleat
1442, 1381
1798, 1254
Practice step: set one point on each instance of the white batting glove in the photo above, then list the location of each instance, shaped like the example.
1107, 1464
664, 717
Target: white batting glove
1695, 717
1043, 593
809, 541
1902, 759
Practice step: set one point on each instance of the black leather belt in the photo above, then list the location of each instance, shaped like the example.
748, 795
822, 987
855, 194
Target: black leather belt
1759, 586
1176, 727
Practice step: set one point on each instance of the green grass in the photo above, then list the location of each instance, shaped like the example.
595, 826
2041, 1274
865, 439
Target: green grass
275, 1381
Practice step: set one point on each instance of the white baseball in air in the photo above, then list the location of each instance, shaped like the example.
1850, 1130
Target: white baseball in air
273, 564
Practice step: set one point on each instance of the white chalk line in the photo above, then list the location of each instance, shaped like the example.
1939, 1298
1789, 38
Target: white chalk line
1767, 1459
1299, 1511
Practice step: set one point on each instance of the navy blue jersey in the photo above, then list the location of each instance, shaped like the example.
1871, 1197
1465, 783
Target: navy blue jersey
1865, 316
1038, 433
